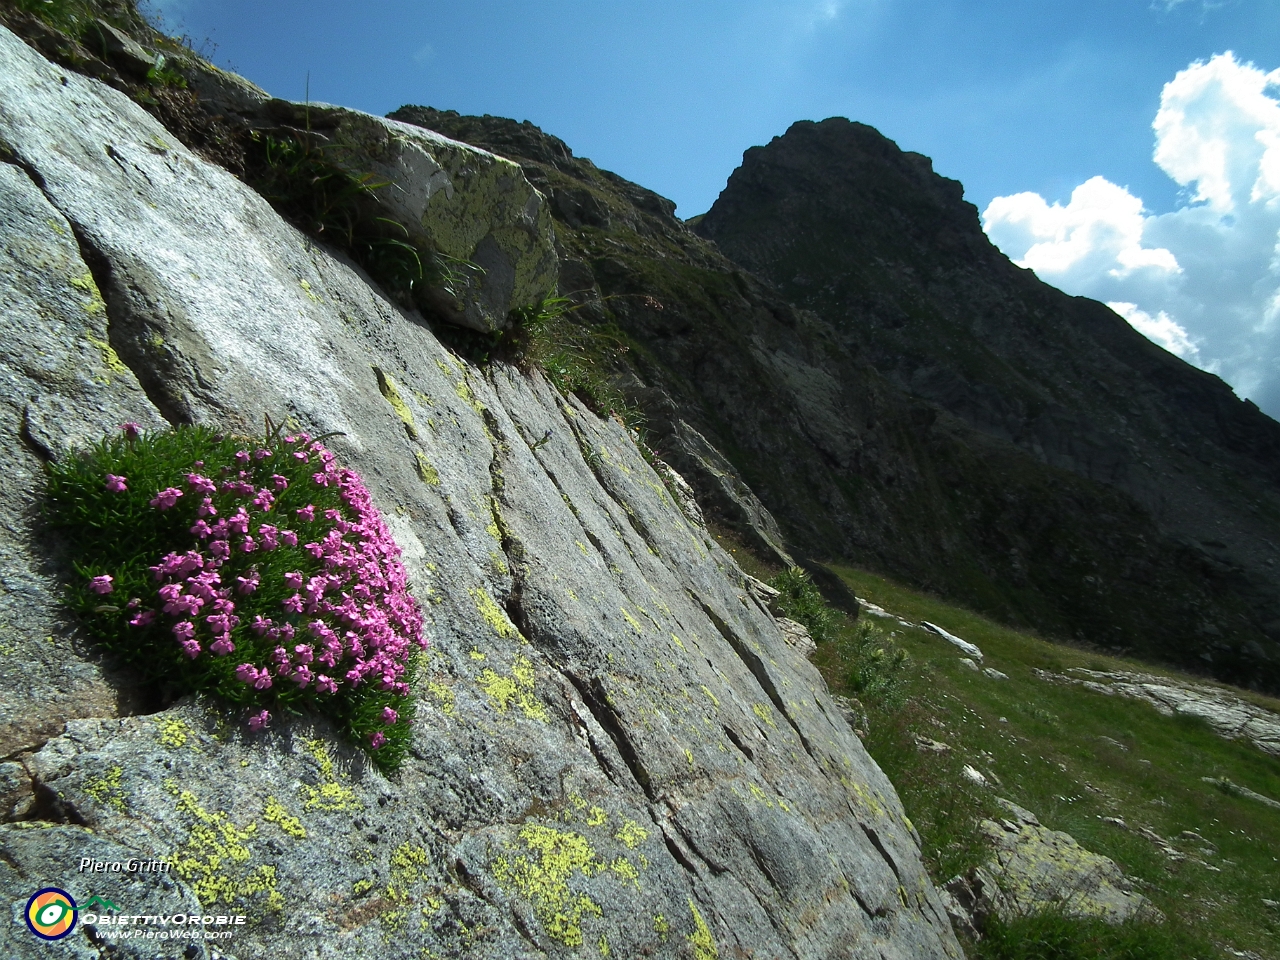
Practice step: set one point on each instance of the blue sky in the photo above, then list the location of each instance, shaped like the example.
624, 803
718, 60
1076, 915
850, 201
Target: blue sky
1015, 98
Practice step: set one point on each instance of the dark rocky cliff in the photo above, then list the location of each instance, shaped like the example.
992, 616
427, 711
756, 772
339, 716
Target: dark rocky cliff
899, 394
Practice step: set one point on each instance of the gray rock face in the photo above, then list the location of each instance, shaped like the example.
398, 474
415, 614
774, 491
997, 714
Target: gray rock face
616, 752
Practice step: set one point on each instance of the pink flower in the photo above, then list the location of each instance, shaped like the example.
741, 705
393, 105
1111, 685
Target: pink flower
166, 498
248, 584
207, 509
115, 484
261, 625
322, 479
389, 715
303, 653
301, 676
261, 454
130, 429
222, 646
326, 684
308, 512
184, 629
249, 545
201, 530
288, 538
242, 456
102, 584
300, 455
246, 673
191, 648
280, 482
293, 604
143, 619
377, 739
220, 549
259, 720
201, 484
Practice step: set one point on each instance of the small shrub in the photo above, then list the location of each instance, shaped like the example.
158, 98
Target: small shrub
802, 602
257, 571
875, 665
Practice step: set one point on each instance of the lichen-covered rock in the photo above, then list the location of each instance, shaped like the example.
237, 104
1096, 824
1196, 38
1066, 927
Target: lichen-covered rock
477, 210
616, 752
33, 852
1035, 869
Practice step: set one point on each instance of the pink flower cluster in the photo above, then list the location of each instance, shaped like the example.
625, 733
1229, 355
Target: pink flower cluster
349, 624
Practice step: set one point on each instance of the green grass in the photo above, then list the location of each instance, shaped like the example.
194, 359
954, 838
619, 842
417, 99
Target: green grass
1043, 743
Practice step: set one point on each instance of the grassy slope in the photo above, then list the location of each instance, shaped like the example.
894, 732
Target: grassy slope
1049, 757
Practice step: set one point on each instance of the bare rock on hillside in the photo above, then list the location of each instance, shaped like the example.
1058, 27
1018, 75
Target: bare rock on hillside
615, 749
1035, 869
1229, 715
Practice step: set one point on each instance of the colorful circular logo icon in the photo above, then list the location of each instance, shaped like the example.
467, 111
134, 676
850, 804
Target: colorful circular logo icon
51, 913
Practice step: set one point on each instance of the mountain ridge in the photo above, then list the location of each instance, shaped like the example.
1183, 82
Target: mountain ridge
903, 430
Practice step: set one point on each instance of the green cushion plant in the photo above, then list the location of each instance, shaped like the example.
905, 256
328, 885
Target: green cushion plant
257, 571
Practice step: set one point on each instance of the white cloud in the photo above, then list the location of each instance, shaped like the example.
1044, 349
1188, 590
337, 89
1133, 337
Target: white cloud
1204, 280
1161, 328
1101, 228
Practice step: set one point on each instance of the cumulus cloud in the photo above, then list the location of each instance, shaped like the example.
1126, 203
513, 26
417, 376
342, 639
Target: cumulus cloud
1204, 280
1161, 328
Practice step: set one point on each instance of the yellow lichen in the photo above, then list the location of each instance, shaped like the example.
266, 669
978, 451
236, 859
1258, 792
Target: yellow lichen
688, 755
493, 614
106, 789
96, 304
173, 732
542, 874
703, 944
597, 817
213, 859
110, 359
635, 624
603, 945
463, 390
476, 655
764, 713
625, 871
330, 794
444, 696
661, 927
631, 834
517, 689
678, 642
306, 288
710, 696
427, 472
407, 863
391, 393
361, 887
274, 812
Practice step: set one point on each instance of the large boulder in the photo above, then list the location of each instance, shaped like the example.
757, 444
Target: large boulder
616, 751
1034, 869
